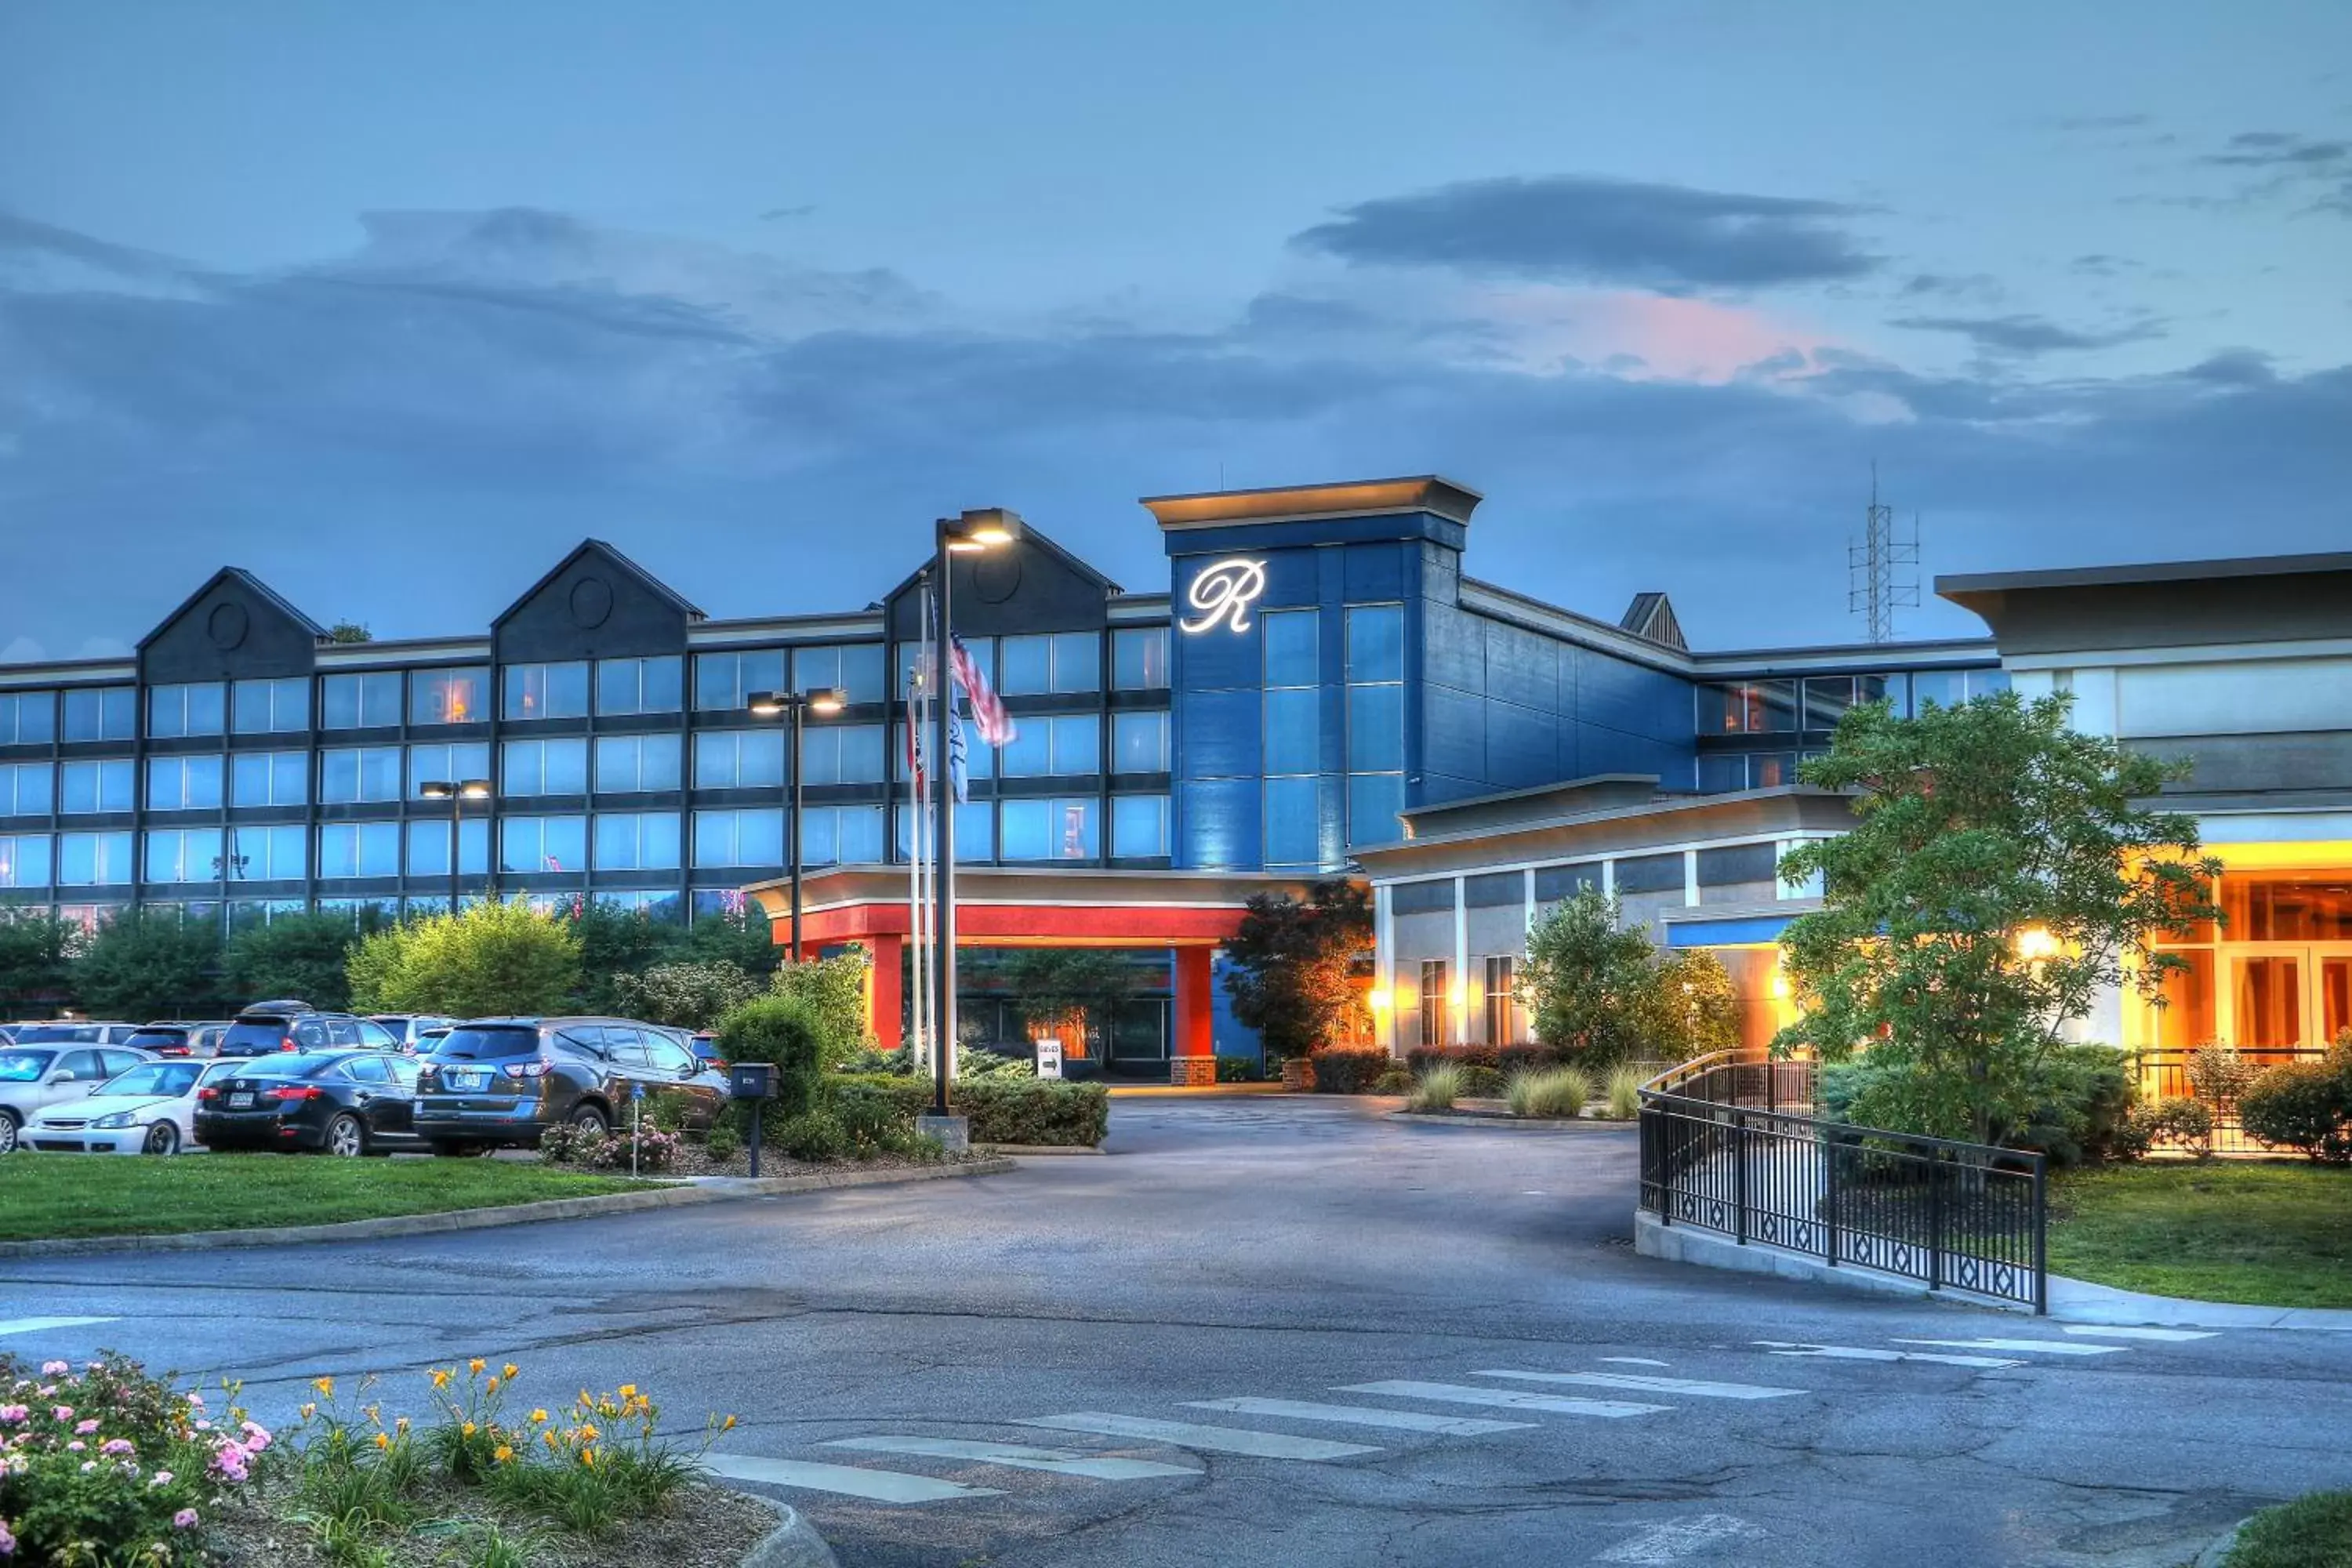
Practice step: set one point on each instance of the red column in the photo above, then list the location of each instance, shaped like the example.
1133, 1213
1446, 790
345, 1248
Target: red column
1192, 1060
883, 996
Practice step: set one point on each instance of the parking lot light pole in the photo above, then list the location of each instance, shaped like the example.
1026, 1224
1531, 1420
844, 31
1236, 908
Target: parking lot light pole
456, 792
796, 706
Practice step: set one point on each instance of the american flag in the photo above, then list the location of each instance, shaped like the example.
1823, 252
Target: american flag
988, 714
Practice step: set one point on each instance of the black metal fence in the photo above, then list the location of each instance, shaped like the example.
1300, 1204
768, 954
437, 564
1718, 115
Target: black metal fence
1728, 1145
2163, 1073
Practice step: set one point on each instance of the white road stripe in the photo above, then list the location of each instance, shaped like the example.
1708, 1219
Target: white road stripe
1503, 1398
2040, 1347
2166, 1334
1636, 1360
1645, 1384
1363, 1416
1053, 1461
1859, 1352
35, 1325
1679, 1537
1208, 1439
844, 1480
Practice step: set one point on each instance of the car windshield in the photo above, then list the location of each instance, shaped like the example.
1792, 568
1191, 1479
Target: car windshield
473, 1043
164, 1080
25, 1066
260, 1034
158, 1040
30, 1033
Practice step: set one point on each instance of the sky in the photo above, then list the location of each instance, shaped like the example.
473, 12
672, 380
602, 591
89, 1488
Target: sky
395, 304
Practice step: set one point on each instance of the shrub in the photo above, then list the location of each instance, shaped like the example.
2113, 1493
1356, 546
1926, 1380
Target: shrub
1396, 1079
2218, 1074
565, 1145
863, 1062
1421, 1057
2303, 1106
1035, 1111
2076, 1105
834, 991
1349, 1069
490, 958
782, 1030
666, 1110
1240, 1069
1550, 1091
2180, 1123
1436, 1088
1526, 1056
972, 1062
812, 1135
683, 996
877, 1112
1623, 1093
1480, 1082
724, 1143
646, 1152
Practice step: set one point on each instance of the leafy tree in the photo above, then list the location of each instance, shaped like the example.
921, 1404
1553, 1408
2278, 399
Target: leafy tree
688, 995
1593, 989
488, 959
833, 992
36, 961
348, 632
1071, 990
294, 955
149, 963
1999, 875
1694, 1006
616, 942
1294, 967
741, 936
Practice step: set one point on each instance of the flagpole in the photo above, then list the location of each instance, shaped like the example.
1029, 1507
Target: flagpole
919, 916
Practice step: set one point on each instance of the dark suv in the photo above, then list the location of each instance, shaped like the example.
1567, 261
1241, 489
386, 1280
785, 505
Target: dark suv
502, 1082
267, 1027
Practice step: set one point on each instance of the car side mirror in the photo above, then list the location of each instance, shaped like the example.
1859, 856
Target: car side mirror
63, 1078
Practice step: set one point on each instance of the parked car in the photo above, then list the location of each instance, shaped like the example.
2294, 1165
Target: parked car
33, 1078
408, 1029
502, 1082
704, 1044
290, 1025
337, 1102
72, 1031
151, 1110
178, 1040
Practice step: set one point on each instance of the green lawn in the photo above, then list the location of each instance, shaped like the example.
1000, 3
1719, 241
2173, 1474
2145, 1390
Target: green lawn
2313, 1531
44, 1195
2267, 1233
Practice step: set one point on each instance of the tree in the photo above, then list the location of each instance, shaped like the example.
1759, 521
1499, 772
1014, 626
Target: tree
148, 964
1294, 974
1694, 1007
1071, 991
489, 959
1592, 988
833, 990
348, 632
36, 961
685, 995
741, 936
616, 942
294, 955
2000, 875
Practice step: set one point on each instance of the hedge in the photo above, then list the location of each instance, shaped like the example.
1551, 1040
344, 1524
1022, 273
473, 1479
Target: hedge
2306, 1105
1349, 1069
782, 1030
1037, 1112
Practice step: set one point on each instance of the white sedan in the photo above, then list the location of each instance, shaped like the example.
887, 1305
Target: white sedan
151, 1110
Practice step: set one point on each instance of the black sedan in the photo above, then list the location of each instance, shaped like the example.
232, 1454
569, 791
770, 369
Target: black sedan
335, 1103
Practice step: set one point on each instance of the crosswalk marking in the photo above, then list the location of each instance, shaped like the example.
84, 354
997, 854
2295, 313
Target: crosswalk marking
2039, 1347
1859, 1352
1363, 1416
35, 1325
1503, 1398
846, 1480
1208, 1439
2166, 1334
1053, 1461
1635, 1361
1652, 1384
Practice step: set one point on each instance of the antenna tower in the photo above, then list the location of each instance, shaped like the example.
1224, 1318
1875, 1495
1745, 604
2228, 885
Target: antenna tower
1882, 568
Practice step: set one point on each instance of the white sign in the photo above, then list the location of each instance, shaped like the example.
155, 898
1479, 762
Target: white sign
1049, 1057
1224, 591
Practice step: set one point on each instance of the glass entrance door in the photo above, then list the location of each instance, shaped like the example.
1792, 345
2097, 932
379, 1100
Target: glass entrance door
2332, 980
2281, 999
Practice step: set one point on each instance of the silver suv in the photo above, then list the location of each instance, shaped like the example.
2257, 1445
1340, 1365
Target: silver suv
33, 1078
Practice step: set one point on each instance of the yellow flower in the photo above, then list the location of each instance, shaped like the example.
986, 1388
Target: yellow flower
325, 1385
502, 1454
539, 1417
492, 1387
382, 1440
587, 1433
308, 1411
440, 1377
628, 1391
728, 1425
547, 1437
401, 1426
467, 1430
509, 1372
374, 1413
588, 1457
476, 1365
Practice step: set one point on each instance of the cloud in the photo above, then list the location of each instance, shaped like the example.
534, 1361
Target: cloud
2279, 148
2288, 164
2101, 121
1951, 285
2027, 334
1572, 229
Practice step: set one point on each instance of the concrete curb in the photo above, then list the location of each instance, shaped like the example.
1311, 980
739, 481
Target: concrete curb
794, 1544
1187, 1091
1491, 1119
706, 1190
2081, 1301
1023, 1151
2218, 1551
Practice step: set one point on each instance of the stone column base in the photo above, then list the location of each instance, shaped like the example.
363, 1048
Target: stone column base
954, 1132
1192, 1072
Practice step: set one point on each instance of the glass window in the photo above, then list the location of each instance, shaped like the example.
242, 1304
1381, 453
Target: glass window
1944, 688
1373, 802
636, 840
24, 861
195, 709
101, 713
1650, 874
545, 767
841, 753
739, 758
1138, 825
272, 707
1077, 662
428, 847
1501, 1028
447, 762
91, 860
630, 762
448, 695
184, 784
546, 691
1139, 658
1026, 665
543, 844
259, 854
1719, 773
103, 784
844, 835
1066, 743
359, 849
183, 855
370, 701
270, 778
1375, 728
1375, 642
1826, 699
854, 670
1139, 742
1292, 655
1985, 682
975, 832
1747, 708
359, 773
1434, 989
28, 789
29, 718
1294, 742
640, 685
1060, 829
726, 679
1293, 829
1771, 770
751, 838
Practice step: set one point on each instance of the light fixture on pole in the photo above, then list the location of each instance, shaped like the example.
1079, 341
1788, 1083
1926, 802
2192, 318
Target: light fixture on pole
991, 528
796, 706
456, 792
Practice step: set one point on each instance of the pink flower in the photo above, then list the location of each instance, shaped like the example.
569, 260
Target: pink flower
115, 1446
163, 1478
56, 1368
197, 1400
7, 1542
230, 1461
88, 1466
257, 1436
184, 1520
13, 1415
203, 1425
62, 1413
77, 1446
85, 1428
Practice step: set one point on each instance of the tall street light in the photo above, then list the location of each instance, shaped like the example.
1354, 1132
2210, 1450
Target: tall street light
456, 792
796, 706
991, 528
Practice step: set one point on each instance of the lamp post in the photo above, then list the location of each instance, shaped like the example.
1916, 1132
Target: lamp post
456, 792
990, 528
796, 706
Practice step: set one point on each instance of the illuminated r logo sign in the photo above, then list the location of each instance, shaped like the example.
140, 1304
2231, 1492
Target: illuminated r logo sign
1224, 591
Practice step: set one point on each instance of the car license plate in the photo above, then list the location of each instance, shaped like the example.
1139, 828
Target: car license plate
466, 1079
240, 1101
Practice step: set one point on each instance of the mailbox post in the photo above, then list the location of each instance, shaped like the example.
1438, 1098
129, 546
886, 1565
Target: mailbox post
752, 1083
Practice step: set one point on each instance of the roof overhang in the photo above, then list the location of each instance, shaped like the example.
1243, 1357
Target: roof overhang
1292, 503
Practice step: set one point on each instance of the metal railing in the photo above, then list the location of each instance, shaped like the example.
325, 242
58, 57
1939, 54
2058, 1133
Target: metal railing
2163, 1073
1729, 1145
